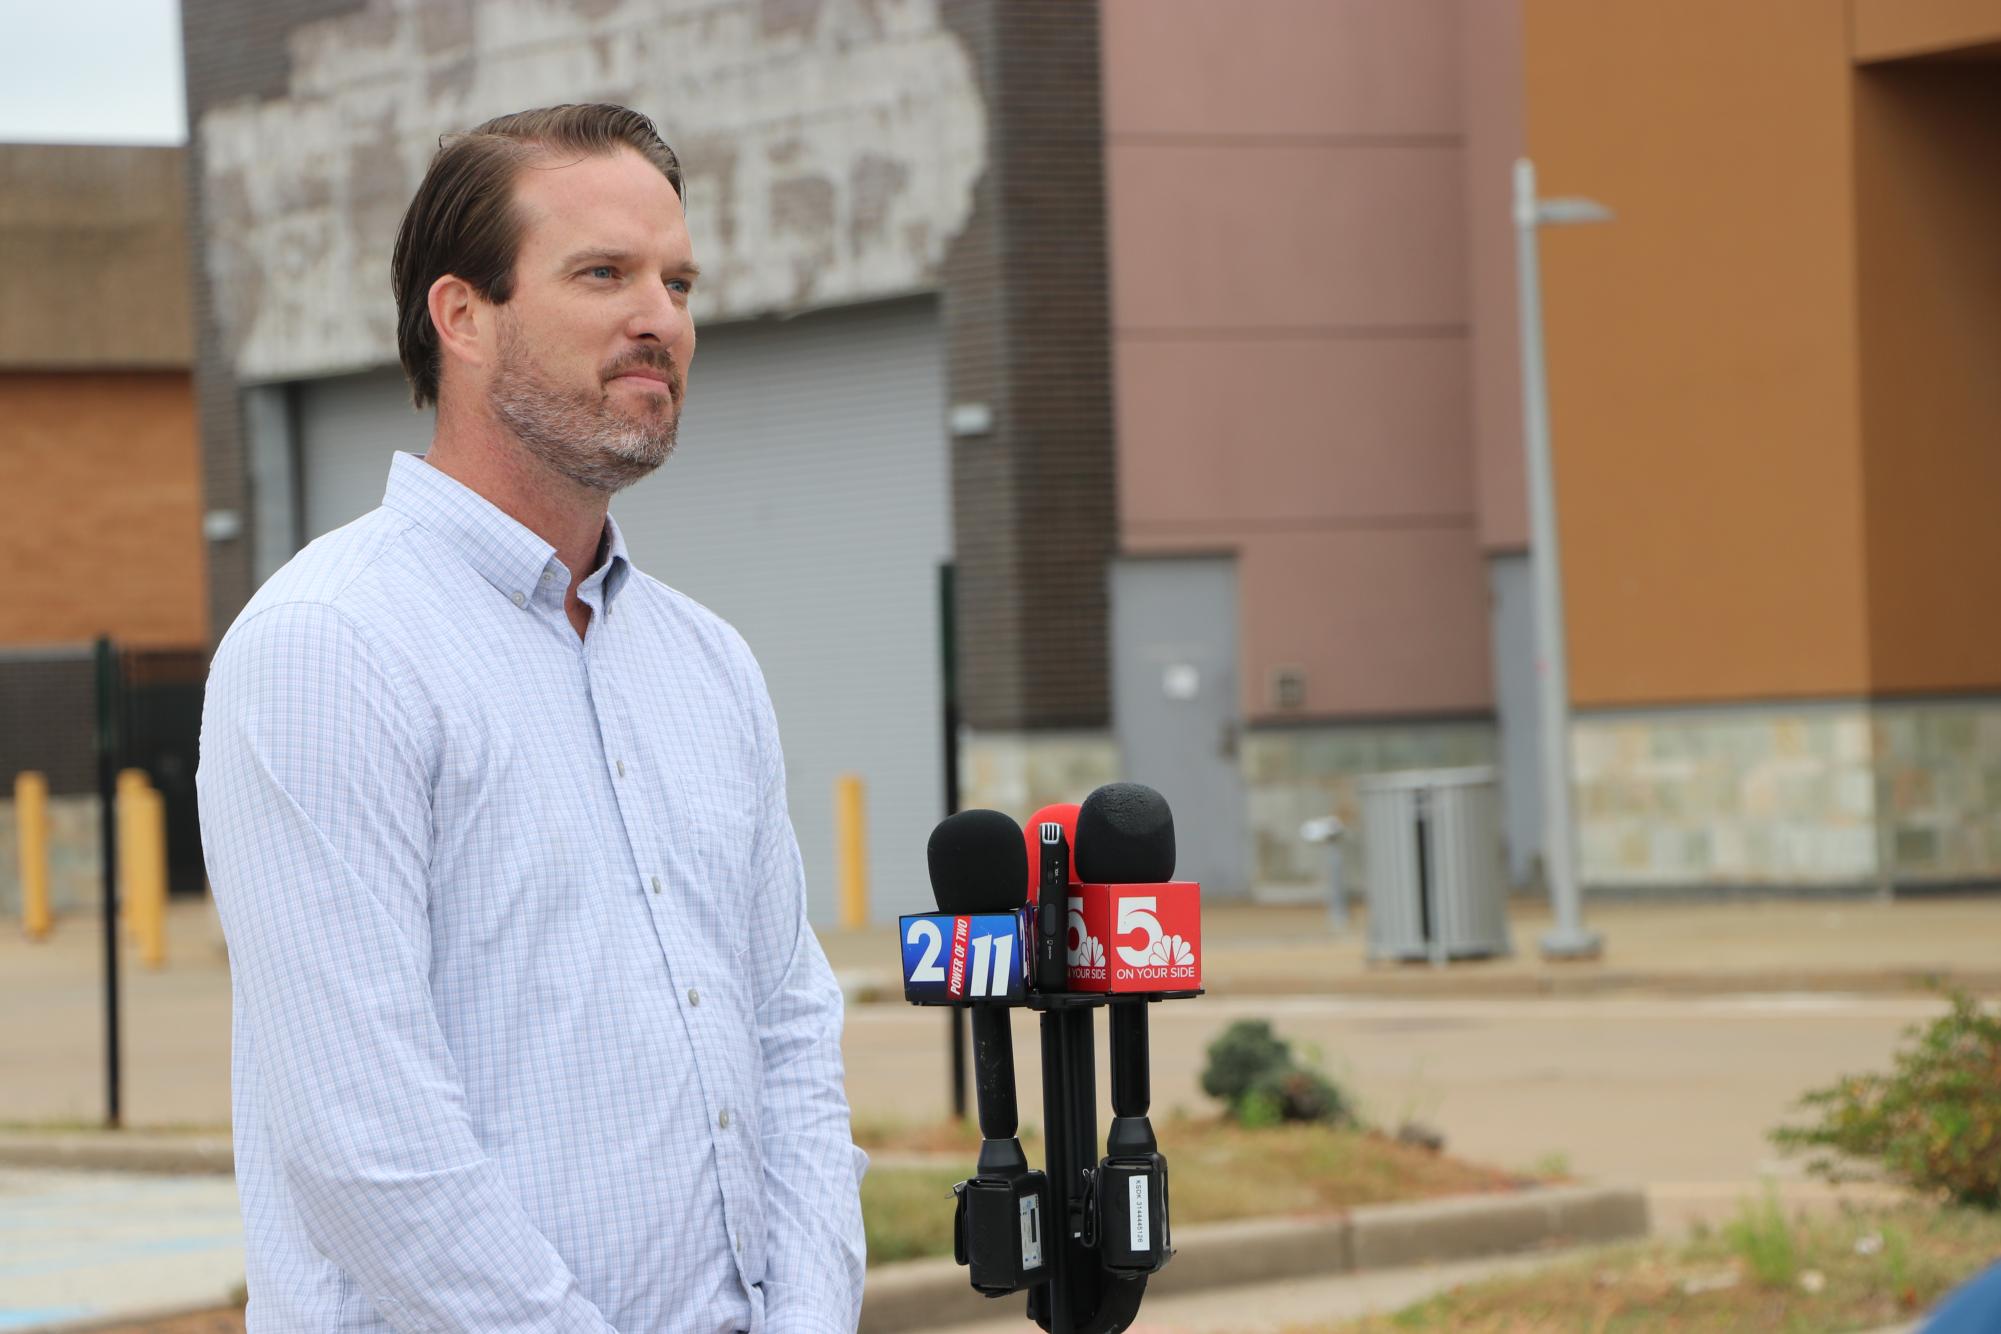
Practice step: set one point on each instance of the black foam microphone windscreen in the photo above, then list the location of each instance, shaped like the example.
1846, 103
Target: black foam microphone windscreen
1125, 836
979, 863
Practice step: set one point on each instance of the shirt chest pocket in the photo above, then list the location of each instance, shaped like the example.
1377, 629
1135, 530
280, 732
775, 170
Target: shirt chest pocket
722, 823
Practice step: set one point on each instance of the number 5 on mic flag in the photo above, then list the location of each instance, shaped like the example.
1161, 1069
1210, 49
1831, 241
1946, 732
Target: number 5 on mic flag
953, 958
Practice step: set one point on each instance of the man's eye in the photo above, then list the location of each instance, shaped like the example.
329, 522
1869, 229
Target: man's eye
605, 269
681, 285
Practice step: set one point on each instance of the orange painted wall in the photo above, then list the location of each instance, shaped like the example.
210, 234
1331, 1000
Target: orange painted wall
1893, 29
100, 510
1702, 348
1929, 214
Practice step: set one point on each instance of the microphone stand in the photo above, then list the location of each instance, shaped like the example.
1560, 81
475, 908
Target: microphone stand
1081, 1296
1072, 1300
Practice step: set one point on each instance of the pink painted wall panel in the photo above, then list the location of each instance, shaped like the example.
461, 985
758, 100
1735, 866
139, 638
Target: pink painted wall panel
1384, 620
1213, 238
1292, 298
1492, 73
1263, 431
1349, 67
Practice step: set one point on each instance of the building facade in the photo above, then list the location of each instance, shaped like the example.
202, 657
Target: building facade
1775, 425
100, 477
1131, 389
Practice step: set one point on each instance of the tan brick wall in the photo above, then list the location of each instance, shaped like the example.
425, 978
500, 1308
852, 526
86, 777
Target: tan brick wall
100, 510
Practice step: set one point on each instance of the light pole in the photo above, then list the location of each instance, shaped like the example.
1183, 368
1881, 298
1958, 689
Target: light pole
1567, 939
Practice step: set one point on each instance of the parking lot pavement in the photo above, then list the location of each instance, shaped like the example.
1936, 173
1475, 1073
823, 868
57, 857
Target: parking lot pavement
88, 1246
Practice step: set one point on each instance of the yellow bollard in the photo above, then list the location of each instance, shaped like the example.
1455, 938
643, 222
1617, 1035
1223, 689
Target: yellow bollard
149, 877
131, 782
851, 841
31, 818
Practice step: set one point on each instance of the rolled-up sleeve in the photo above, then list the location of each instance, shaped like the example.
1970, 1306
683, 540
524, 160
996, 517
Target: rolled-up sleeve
316, 822
812, 1169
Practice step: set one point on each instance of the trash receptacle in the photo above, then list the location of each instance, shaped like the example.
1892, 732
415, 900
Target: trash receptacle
1431, 850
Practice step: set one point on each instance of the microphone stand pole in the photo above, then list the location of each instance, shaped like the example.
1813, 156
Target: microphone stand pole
1080, 1296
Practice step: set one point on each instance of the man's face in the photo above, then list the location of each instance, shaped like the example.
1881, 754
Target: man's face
595, 343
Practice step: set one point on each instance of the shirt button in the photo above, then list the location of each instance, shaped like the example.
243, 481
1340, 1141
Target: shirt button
656, 884
723, 1118
520, 599
620, 765
548, 576
695, 998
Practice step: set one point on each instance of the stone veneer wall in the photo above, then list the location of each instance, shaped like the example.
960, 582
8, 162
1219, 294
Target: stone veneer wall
1810, 796
1838, 797
1297, 773
76, 884
1021, 772
1938, 785
1781, 796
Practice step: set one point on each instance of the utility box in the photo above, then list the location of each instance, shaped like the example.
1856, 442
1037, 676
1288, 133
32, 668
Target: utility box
1431, 846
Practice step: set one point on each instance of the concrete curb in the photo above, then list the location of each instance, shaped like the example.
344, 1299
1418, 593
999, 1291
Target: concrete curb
931, 1294
120, 1151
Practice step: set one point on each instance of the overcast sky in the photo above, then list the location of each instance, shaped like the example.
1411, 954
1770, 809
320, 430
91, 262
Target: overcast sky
91, 72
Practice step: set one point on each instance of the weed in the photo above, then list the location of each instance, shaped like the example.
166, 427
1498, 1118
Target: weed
1763, 1239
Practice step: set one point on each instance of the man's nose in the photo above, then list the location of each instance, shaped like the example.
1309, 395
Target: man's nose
658, 316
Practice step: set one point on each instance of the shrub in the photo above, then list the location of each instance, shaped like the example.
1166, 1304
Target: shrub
1252, 1070
1933, 1122
1245, 1052
1302, 1095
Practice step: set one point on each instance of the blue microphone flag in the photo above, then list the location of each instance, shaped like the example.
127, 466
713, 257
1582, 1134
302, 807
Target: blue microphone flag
949, 957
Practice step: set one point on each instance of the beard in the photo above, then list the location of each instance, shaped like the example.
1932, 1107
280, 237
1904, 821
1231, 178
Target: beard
580, 434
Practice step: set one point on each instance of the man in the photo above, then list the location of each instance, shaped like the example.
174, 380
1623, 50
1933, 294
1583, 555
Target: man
530, 1031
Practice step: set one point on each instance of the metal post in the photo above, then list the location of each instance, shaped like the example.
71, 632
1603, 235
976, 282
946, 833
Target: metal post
31, 815
1567, 939
1337, 890
955, 1015
109, 690
851, 840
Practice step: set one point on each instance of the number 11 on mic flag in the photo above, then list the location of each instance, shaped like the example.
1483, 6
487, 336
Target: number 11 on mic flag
967, 957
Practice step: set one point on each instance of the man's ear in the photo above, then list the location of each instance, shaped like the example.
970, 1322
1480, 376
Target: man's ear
462, 319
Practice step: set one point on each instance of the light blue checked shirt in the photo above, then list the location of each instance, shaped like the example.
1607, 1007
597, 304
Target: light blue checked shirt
530, 1030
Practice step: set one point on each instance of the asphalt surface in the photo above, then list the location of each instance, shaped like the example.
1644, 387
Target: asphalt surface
1670, 1078
1631, 1091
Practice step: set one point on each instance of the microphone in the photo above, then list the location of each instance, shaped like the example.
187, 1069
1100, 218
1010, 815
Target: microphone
979, 866
975, 948
1065, 814
971, 870
1138, 929
1124, 836
1125, 839
1052, 907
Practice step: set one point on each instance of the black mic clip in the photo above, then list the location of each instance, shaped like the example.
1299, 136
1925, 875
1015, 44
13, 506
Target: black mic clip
998, 1231
1130, 1208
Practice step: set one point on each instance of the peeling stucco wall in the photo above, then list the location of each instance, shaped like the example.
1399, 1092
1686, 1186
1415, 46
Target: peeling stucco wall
830, 146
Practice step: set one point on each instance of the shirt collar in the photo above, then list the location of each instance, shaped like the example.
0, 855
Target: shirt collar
505, 552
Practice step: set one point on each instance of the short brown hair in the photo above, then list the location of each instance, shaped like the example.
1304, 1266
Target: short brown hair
462, 220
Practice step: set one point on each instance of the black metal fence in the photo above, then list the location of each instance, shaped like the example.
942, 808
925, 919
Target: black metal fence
49, 723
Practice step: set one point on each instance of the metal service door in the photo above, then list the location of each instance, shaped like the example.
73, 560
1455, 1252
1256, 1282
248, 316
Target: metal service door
1175, 706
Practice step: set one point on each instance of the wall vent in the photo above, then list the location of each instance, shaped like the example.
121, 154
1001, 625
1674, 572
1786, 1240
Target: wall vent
1288, 688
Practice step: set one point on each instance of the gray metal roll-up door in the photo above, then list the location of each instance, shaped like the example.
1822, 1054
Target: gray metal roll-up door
808, 504
349, 427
